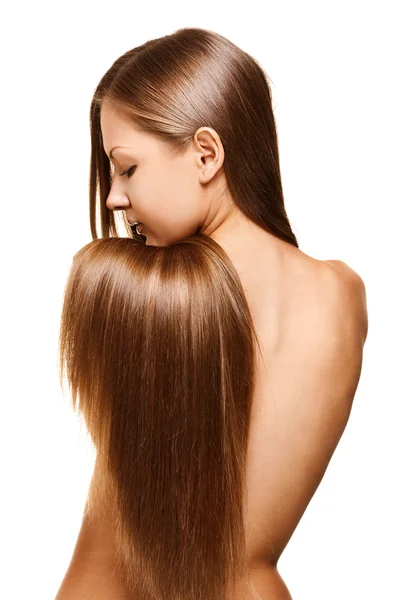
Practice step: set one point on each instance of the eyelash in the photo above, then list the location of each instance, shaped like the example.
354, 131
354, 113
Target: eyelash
127, 171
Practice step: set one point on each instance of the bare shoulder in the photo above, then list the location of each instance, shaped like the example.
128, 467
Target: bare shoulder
349, 295
345, 275
336, 329
328, 302
330, 334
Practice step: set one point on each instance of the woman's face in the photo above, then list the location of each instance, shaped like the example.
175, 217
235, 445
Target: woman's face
164, 192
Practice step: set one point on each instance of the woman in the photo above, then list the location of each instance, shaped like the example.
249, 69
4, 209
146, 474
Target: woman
215, 363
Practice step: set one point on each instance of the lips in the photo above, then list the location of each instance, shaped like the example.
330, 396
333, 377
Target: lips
135, 226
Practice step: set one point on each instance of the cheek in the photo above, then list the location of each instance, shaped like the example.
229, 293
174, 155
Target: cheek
163, 193
166, 202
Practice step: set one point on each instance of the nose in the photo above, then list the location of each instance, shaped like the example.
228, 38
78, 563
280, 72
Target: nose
117, 200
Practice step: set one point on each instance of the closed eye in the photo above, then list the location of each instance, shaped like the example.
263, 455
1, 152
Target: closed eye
128, 172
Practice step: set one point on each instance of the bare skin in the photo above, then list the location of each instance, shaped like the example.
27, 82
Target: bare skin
311, 320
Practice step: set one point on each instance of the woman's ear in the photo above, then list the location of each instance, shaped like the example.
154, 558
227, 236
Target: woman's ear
210, 153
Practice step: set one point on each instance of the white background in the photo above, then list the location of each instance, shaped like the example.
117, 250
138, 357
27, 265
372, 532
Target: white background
336, 94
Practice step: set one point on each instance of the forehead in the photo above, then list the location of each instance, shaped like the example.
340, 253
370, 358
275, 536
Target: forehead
118, 130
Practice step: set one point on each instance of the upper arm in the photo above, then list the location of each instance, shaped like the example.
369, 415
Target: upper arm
310, 395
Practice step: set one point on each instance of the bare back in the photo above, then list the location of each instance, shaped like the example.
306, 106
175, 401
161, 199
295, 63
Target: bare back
304, 311
311, 320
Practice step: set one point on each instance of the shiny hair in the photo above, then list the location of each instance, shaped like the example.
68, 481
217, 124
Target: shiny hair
157, 346
158, 343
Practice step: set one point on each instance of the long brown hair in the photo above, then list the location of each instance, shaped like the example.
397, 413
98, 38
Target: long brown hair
158, 343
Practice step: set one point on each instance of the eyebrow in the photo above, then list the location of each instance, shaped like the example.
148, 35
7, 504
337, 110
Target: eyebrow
111, 151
